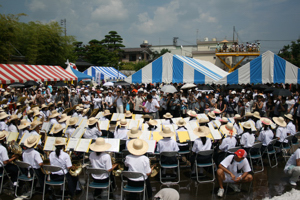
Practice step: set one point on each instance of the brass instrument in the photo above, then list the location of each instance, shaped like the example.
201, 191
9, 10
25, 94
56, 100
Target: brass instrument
116, 172
67, 110
75, 164
15, 148
4, 101
21, 110
22, 100
94, 113
46, 161
156, 168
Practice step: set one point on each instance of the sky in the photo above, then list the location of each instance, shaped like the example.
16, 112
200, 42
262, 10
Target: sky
158, 21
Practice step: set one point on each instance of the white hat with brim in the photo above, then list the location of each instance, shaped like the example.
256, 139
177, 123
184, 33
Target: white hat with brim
167, 115
212, 115
192, 113
147, 116
181, 122
123, 122
256, 115
85, 111
57, 128
106, 113
128, 114
13, 117
152, 122
3, 115
44, 106
36, 113
64, 118
166, 132
92, 121
203, 120
100, 145
237, 116
59, 141
289, 116
279, 121
247, 125
24, 123
3, 134
265, 121
228, 129
29, 112
34, 124
31, 141
217, 111
201, 131
53, 114
134, 133
137, 147
248, 114
72, 121
223, 119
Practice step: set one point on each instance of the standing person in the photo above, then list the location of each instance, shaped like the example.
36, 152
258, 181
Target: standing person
231, 106
290, 102
74, 98
138, 103
3, 124
151, 106
221, 104
175, 106
118, 101
248, 138
163, 105
86, 99
109, 99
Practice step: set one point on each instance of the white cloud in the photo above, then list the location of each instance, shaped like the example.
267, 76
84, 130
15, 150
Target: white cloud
36, 5
207, 17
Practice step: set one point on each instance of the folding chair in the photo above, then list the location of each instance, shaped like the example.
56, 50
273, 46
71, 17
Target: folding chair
51, 169
271, 153
256, 156
210, 164
296, 143
97, 185
131, 189
171, 166
24, 177
233, 150
2, 175
286, 149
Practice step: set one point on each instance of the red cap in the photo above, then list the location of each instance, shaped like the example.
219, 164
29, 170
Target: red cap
241, 153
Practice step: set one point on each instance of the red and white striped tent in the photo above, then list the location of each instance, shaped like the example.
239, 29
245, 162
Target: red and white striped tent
10, 73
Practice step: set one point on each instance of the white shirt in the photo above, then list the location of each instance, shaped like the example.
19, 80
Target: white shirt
167, 144
281, 133
103, 161
22, 132
69, 132
290, 103
291, 128
238, 128
199, 146
92, 133
3, 154
247, 140
109, 100
292, 160
151, 106
97, 102
265, 136
3, 126
138, 164
227, 143
32, 157
62, 161
12, 128
121, 133
53, 121
247, 107
119, 101
86, 98
75, 114
258, 124
233, 166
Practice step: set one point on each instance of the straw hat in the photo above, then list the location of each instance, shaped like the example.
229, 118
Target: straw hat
57, 128
202, 131
34, 124
35, 108
100, 145
3, 115
265, 121
85, 111
147, 116
166, 132
217, 111
289, 116
123, 122
36, 113
203, 120
212, 114
92, 121
31, 141
79, 109
18, 104
81, 105
106, 112
44, 106
192, 113
58, 103
134, 133
3, 134
247, 125
137, 147
167, 115
237, 116
181, 122
228, 129
256, 115
50, 104
29, 112
223, 119
54, 113
64, 117
13, 117
59, 141
24, 123
279, 121
5, 93
128, 113
72, 121
152, 122
248, 114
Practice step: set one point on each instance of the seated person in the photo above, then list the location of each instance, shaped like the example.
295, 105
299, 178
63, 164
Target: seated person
292, 167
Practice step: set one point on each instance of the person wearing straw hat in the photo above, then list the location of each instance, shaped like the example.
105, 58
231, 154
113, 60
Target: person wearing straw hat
76, 113
248, 117
85, 112
237, 120
292, 167
6, 161
71, 123
168, 119
121, 130
146, 118
181, 123
281, 132
223, 120
256, 119
136, 161
134, 133
92, 131
62, 159
59, 107
248, 138
34, 128
128, 114
57, 130
106, 116
234, 169
43, 111
218, 114
33, 157
3, 118
18, 105
13, 123
54, 117
202, 143
63, 119
266, 135
193, 115
101, 160
290, 127
23, 128
29, 114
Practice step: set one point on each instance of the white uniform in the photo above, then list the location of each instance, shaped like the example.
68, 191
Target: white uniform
227, 143
121, 133
32, 157
138, 164
92, 133
22, 132
103, 161
247, 140
3, 126
291, 128
69, 132
62, 161
238, 128
265, 136
3, 154
281, 133
199, 146
291, 167
167, 144
53, 121
12, 128
33, 132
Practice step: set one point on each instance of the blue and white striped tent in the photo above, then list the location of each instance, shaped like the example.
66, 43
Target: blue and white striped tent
267, 68
104, 73
177, 69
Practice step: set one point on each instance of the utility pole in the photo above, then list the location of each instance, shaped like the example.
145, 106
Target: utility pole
63, 23
233, 33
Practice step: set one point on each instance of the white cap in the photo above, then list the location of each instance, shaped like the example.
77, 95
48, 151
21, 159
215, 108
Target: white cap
73, 91
153, 90
101, 89
145, 91
40, 89
233, 92
248, 91
85, 91
243, 90
109, 91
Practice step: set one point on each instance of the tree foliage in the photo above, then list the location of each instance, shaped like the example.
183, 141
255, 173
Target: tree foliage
291, 52
156, 54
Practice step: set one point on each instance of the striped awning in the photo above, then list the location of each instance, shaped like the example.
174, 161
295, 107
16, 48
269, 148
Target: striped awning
10, 73
106, 73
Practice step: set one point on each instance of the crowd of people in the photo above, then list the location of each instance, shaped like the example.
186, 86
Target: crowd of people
235, 47
245, 116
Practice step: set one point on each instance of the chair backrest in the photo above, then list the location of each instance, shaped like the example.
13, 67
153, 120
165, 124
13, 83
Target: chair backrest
297, 134
273, 142
169, 153
22, 164
257, 145
122, 142
234, 149
289, 138
128, 174
206, 152
52, 168
96, 171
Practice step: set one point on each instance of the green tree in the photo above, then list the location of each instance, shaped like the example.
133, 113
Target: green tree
157, 54
291, 52
96, 53
113, 41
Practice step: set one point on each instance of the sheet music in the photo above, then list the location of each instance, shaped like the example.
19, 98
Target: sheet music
84, 123
99, 115
145, 135
115, 144
138, 116
156, 136
152, 145
253, 128
104, 125
79, 121
193, 137
183, 136
114, 117
158, 122
12, 136
20, 115
202, 115
217, 122
194, 124
46, 127
72, 144
49, 144
215, 134
25, 136
79, 131
121, 116
169, 126
83, 145
133, 123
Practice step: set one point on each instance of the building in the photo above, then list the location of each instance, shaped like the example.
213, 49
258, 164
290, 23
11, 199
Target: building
137, 54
